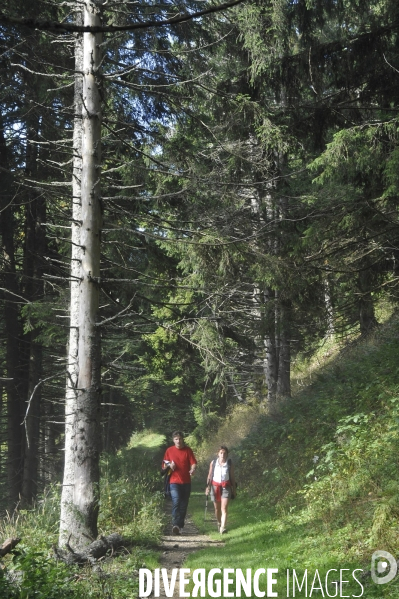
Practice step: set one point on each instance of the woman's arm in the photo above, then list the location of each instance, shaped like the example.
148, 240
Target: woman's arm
208, 480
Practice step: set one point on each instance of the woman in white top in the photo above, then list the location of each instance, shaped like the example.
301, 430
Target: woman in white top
221, 484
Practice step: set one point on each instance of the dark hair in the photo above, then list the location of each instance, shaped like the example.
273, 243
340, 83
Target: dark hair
177, 434
223, 447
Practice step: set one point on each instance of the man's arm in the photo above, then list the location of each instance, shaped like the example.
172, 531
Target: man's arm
193, 462
165, 461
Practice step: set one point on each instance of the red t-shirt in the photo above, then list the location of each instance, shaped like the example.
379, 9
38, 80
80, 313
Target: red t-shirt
184, 459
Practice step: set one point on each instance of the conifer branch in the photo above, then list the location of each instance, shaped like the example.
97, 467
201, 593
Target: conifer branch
71, 27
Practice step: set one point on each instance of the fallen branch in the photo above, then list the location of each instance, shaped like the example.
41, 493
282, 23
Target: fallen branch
8, 546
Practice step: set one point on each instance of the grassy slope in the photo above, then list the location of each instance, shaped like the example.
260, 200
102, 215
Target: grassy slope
319, 485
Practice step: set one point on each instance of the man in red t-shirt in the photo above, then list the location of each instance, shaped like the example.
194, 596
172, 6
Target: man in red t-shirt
181, 460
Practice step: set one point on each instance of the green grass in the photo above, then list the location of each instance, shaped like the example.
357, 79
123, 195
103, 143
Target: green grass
319, 483
259, 538
131, 504
318, 489
147, 440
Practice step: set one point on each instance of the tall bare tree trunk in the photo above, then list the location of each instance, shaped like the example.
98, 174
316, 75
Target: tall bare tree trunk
80, 498
271, 338
1, 421
367, 318
32, 428
283, 301
11, 297
284, 349
35, 246
76, 265
49, 457
263, 212
329, 308
271, 357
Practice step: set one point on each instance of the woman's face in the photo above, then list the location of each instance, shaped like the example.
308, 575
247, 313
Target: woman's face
222, 455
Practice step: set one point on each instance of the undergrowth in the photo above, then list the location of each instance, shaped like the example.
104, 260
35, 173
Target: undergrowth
235, 428
333, 448
130, 504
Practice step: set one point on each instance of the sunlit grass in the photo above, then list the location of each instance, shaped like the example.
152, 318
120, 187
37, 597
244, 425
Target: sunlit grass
259, 538
234, 429
147, 440
319, 484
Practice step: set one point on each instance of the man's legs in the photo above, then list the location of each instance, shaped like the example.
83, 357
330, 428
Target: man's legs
183, 504
180, 495
175, 495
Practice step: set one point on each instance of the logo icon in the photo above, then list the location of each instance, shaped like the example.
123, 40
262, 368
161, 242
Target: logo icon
383, 563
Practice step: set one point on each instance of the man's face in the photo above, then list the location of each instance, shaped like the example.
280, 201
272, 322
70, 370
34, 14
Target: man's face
178, 441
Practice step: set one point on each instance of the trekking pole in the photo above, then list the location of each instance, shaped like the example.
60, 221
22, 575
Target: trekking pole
206, 507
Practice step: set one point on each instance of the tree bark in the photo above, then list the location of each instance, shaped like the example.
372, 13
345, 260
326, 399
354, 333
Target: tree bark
76, 264
14, 402
32, 428
35, 247
49, 465
329, 308
367, 319
8, 546
271, 360
1, 421
80, 509
263, 212
284, 350
283, 301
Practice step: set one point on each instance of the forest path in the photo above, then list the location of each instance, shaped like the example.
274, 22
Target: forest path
177, 547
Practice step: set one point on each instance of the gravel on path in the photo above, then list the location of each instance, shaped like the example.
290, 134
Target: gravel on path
175, 548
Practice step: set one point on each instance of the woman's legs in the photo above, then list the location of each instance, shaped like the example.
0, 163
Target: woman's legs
223, 508
218, 511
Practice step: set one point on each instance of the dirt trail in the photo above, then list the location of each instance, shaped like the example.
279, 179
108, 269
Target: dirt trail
176, 548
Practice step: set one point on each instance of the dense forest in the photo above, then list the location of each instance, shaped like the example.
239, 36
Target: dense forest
193, 196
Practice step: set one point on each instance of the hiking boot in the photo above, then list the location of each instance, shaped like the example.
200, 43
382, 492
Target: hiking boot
176, 530
223, 530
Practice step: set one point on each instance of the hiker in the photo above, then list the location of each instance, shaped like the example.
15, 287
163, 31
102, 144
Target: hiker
181, 460
222, 486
